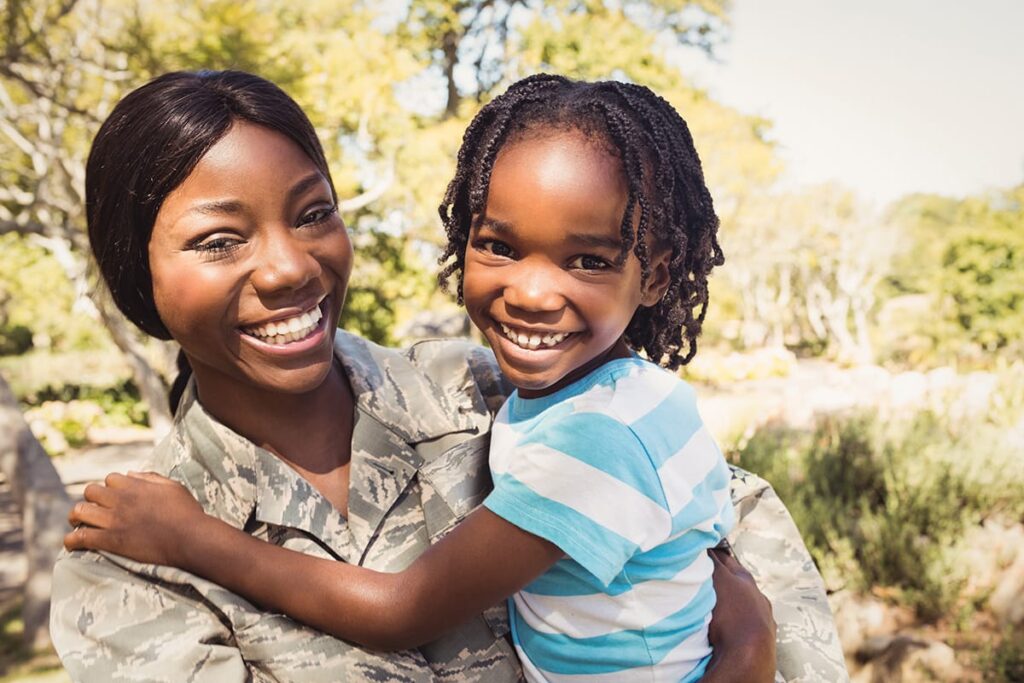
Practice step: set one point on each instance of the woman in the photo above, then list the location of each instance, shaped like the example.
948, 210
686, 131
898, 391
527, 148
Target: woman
213, 219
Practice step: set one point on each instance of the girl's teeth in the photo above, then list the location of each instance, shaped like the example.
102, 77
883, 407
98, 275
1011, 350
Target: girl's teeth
533, 341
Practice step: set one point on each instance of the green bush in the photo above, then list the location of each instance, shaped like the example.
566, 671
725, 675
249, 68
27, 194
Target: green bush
1005, 664
887, 504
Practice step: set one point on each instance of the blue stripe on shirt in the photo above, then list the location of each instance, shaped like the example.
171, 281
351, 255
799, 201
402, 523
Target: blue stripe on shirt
600, 550
562, 654
605, 444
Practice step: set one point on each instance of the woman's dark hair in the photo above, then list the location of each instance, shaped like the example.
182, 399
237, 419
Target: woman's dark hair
664, 177
148, 145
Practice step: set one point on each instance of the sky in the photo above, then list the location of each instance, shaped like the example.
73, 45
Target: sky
887, 97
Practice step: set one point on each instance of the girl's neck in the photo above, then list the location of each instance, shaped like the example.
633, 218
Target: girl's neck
312, 431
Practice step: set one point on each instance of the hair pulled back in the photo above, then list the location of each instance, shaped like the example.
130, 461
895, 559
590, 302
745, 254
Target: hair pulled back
148, 145
665, 187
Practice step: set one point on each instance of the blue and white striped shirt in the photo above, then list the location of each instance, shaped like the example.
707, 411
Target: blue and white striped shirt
619, 472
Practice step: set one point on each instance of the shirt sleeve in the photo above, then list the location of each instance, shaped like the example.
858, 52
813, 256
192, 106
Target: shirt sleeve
766, 541
585, 483
108, 625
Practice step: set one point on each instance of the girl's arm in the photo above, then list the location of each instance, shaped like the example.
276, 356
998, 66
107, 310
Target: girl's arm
482, 561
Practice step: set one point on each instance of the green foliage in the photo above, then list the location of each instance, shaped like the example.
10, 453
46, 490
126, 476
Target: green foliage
36, 300
1005, 662
967, 257
887, 505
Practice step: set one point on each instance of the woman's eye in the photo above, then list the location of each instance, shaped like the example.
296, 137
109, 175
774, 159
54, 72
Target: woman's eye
216, 245
589, 263
318, 216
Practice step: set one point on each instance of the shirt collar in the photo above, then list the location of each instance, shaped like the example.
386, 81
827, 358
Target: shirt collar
236, 480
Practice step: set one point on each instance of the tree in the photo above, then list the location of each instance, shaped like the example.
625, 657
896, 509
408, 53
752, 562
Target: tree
966, 256
364, 74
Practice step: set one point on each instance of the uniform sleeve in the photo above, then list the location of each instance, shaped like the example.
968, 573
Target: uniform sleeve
587, 485
110, 625
768, 544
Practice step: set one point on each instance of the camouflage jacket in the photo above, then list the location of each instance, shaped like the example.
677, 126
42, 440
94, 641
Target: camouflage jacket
418, 466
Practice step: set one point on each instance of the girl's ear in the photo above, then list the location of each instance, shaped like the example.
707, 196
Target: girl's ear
658, 279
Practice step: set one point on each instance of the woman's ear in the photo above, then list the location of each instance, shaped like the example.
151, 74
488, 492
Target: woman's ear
658, 278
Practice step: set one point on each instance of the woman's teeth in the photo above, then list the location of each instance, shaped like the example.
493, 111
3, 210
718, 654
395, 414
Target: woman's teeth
534, 340
288, 330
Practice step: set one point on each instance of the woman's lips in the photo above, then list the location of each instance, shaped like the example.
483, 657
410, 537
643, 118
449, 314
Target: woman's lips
308, 335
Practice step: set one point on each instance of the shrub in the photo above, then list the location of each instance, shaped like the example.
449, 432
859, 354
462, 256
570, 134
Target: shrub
887, 504
1005, 664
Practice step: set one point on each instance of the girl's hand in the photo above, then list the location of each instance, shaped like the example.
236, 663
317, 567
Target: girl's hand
142, 516
742, 629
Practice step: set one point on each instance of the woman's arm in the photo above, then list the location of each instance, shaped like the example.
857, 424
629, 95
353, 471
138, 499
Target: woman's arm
482, 561
110, 623
766, 541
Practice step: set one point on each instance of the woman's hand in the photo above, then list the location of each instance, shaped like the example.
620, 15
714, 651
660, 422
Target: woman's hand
142, 516
742, 629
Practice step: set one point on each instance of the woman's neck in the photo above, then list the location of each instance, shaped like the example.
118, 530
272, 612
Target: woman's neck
311, 431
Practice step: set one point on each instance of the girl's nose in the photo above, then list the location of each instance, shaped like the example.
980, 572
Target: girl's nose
535, 288
286, 263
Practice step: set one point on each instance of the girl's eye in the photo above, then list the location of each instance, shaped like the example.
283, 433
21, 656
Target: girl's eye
586, 262
318, 216
495, 247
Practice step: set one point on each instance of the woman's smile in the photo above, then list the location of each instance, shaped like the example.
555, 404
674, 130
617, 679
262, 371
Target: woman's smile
250, 264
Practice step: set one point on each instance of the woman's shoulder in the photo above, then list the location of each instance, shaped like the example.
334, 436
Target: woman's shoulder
448, 366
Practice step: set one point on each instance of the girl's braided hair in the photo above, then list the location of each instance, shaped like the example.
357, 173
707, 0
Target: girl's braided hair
666, 189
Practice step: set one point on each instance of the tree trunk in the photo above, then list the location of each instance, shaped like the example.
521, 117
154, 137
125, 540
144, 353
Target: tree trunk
44, 507
450, 46
151, 386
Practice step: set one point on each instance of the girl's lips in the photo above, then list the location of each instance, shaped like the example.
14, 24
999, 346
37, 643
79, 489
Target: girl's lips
527, 356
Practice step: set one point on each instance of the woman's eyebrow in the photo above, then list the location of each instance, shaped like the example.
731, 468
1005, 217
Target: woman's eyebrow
233, 206
218, 206
300, 188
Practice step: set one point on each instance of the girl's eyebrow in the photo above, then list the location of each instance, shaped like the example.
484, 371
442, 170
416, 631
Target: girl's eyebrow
501, 227
595, 241
582, 239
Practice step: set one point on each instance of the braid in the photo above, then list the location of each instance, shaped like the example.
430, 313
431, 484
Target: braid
667, 197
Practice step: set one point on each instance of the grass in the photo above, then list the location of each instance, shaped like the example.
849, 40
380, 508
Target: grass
17, 662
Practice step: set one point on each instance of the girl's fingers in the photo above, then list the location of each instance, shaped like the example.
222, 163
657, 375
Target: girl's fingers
91, 514
87, 538
116, 480
100, 494
151, 477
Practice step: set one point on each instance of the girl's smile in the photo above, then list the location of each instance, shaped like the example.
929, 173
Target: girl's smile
545, 280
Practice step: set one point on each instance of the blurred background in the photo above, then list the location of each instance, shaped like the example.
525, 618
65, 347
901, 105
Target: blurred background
864, 349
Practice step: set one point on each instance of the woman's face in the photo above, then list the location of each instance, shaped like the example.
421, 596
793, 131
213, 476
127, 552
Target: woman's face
250, 262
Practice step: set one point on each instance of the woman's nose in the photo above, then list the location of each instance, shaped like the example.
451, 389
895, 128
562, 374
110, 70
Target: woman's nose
535, 287
285, 263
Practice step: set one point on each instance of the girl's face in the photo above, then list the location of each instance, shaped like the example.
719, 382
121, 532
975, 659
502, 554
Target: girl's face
250, 262
540, 278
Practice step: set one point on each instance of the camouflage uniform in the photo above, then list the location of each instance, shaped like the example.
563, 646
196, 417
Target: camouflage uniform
419, 465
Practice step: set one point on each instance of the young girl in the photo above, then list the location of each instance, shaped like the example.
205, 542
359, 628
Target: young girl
580, 234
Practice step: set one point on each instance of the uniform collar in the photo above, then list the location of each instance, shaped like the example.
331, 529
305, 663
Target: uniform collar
237, 481
383, 380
